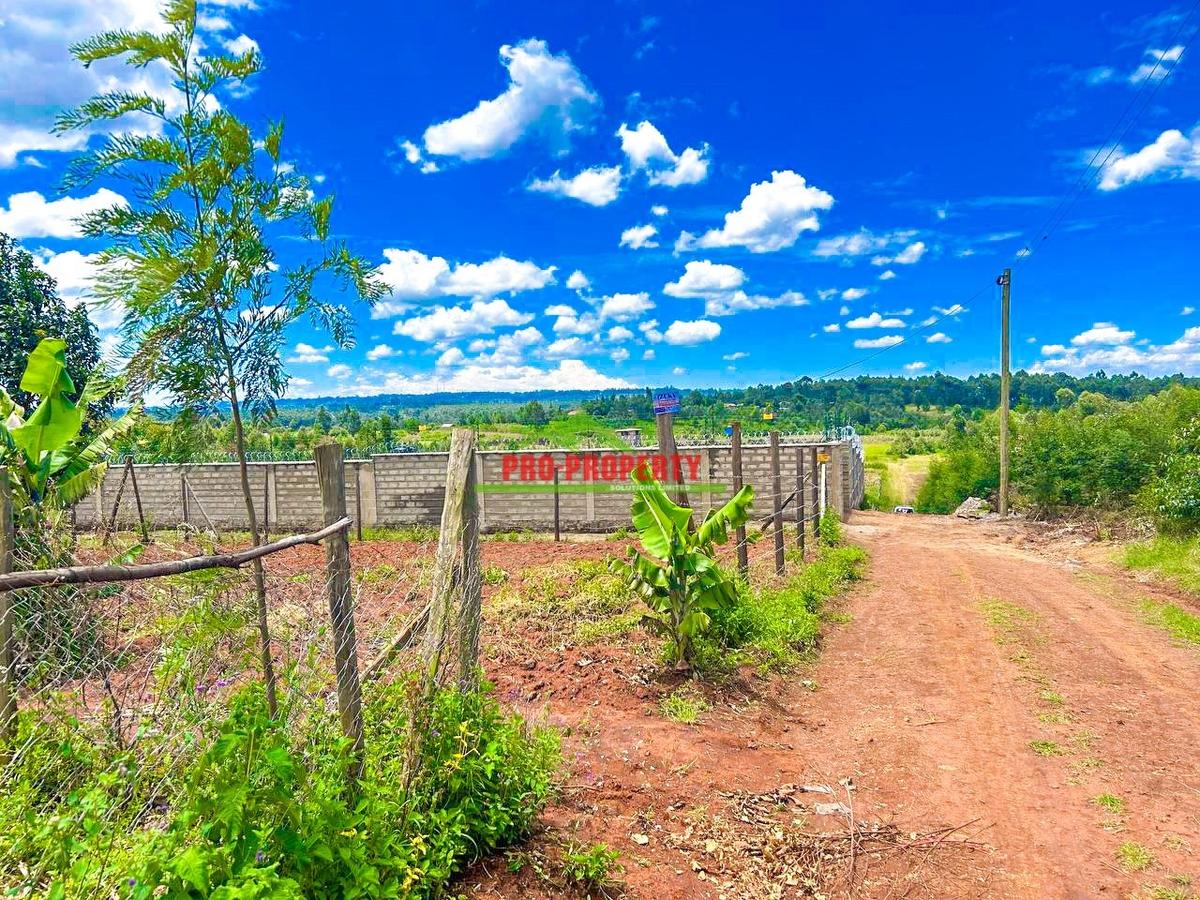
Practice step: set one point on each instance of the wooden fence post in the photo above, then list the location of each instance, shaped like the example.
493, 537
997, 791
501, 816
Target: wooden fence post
557, 529
735, 449
266, 516
664, 424
471, 577
183, 495
777, 501
815, 518
800, 505
8, 675
331, 473
456, 572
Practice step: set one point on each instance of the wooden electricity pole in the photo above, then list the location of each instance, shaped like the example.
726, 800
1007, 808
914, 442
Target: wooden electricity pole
1005, 282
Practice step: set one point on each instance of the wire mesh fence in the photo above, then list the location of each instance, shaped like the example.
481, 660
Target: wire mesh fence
130, 695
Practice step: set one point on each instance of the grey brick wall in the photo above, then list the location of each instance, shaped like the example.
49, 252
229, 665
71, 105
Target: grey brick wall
408, 489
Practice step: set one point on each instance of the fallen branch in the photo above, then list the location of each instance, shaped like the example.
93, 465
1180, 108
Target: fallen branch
102, 574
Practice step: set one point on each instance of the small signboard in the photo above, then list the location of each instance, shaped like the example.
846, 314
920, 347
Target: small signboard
666, 402
822, 456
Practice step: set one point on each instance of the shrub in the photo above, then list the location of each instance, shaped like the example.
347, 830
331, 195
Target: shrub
261, 811
774, 624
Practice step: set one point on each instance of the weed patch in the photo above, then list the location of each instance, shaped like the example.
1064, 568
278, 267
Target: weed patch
591, 868
1046, 748
774, 625
1111, 802
578, 601
684, 706
1174, 619
1175, 559
1133, 857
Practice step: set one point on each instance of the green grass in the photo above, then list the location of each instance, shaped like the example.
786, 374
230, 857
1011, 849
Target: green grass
683, 706
1176, 559
1051, 698
1111, 802
418, 533
1133, 857
1174, 619
1008, 621
775, 625
580, 600
1046, 748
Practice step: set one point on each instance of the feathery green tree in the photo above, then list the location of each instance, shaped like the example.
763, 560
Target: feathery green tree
191, 255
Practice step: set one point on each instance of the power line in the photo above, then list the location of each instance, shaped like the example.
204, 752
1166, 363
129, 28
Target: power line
1110, 146
1085, 180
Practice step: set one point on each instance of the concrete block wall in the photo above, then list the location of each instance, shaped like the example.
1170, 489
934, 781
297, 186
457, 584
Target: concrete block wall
408, 489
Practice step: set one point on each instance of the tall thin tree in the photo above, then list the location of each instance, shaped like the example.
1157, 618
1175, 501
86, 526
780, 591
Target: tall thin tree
192, 254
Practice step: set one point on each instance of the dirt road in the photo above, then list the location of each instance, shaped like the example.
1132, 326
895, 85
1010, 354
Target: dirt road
981, 682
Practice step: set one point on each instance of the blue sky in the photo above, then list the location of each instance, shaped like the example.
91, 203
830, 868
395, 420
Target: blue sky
597, 195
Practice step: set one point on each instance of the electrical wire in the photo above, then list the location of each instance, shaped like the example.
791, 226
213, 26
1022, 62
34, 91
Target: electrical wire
1151, 84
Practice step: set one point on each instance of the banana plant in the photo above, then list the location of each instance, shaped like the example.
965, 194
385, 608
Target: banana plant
51, 464
675, 572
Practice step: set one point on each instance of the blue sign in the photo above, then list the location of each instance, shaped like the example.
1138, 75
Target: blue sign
729, 430
666, 402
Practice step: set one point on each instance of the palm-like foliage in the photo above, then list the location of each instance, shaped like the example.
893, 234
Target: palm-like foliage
53, 466
675, 572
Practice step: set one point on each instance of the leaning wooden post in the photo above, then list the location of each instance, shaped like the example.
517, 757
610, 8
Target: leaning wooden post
800, 505
777, 501
557, 529
331, 474
112, 521
137, 499
8, 676
735, 448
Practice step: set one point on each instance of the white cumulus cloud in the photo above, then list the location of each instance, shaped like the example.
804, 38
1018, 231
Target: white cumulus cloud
875, 320
771, 217
639, 236
1102, 333
1171, 155
647, 149
29, 214
450, 323
412, 275
888, 340
578, 281
546, 95
687, 334
597, 186
702, 277
938, 337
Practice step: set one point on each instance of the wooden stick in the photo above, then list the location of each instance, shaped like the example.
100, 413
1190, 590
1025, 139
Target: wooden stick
735, 452
777, 501
412, 630
112, 520
799, 495
188, 487
8, 675
137, 498
331, 473
557, 531
102, 574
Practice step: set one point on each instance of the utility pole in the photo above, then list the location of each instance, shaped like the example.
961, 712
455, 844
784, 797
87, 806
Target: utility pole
1005, 282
